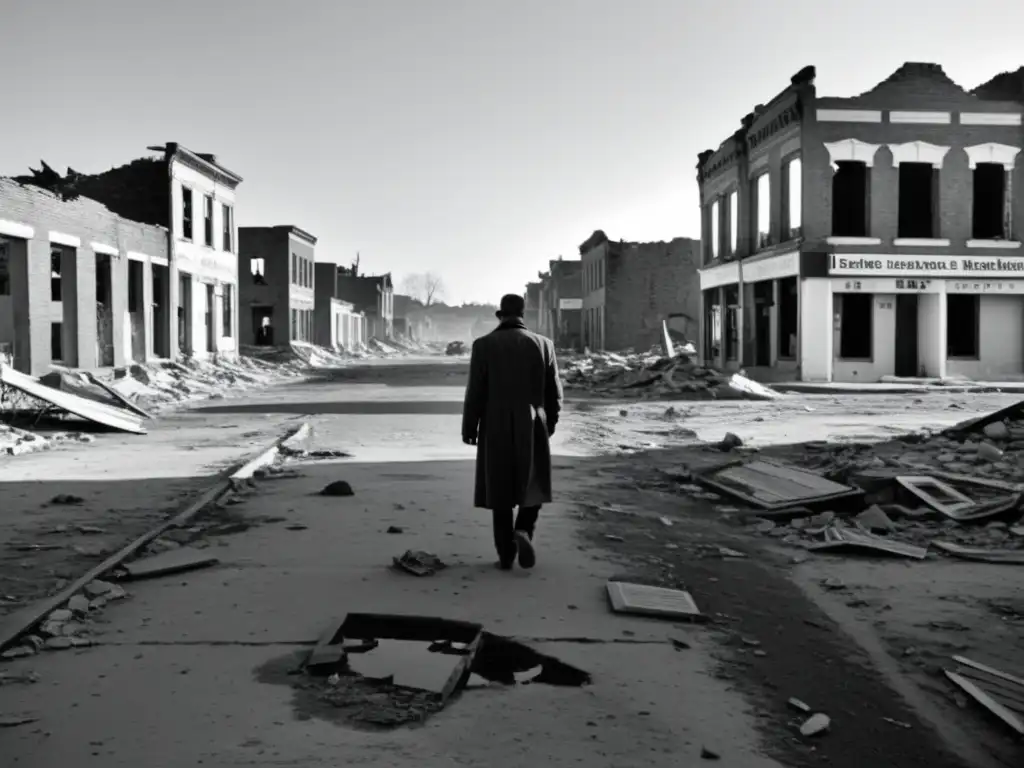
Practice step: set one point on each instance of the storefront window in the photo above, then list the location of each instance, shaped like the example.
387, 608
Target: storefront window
855, 312
788, 313
732, 323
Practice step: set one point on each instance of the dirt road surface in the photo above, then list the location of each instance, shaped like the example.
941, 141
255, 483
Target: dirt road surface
192, 669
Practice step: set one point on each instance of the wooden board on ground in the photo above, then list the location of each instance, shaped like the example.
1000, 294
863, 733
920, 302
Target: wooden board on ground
659, 602
937, 495
169, 562
998, 692
769, 485
116, 418
981, 555
839, 538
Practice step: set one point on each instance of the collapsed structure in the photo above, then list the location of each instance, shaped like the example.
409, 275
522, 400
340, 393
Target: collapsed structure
849, 239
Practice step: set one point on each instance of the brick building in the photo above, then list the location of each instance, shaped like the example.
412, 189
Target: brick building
848, 239
630, 289
560, 303
276, 284
373, 295
80, 286
337, 324
193, 198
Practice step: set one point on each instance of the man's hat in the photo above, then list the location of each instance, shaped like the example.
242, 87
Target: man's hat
512, 305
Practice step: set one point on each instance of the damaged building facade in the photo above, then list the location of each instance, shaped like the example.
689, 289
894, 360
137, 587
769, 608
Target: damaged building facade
337, 324
630, 289
853, 239
372, 295
560, 303
277, 297
194, 295
80, 286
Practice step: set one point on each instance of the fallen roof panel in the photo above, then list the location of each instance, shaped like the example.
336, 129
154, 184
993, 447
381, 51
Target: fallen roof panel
116, 418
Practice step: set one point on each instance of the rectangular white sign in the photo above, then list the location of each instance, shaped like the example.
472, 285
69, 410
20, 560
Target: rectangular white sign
926, 266
783, 265
723, 274
570, 303
985, 286
886, 285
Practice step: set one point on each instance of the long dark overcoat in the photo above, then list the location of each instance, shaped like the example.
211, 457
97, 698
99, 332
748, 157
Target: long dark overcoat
513, 400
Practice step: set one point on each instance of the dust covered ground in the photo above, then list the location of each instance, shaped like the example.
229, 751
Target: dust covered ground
865, 650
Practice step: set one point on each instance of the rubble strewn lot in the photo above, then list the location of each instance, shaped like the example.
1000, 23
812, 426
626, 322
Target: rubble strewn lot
917, 539
652, 375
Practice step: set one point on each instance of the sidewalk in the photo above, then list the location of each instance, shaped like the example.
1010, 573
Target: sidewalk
903, 386
175, 677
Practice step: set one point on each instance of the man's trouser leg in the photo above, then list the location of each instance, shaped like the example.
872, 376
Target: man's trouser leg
504, 541
526, 520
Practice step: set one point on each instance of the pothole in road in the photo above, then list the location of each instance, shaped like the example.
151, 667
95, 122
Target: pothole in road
382, 672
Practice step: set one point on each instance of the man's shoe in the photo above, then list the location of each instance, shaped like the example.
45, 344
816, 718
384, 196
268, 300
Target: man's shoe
527, 556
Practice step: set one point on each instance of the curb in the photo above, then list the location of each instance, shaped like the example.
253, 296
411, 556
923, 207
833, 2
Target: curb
15, 625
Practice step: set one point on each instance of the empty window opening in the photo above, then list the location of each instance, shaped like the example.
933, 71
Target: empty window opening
295, 269
856, 312
732, 323
56, 279
850, 191
56, 342
134, 286
962, 326
763, 217
208, 220
794, 197
989, 197
716, 219
734, 222
917, 200
787, 318
5, 269
295, 325
228, 219
186, 213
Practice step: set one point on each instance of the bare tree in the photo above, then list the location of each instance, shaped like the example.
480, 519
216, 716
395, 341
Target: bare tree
427, 287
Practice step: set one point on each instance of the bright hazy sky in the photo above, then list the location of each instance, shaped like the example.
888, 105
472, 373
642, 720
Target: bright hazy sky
473, 138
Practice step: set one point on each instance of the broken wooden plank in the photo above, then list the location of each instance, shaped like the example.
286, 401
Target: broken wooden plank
116, 418
953, 477
982, 555
167, 563
838, 537
987, 701
124, 401
936, 494
973, 425
964, 661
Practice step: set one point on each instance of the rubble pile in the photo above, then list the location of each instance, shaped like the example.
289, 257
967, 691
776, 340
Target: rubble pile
652, 376
959, 493
17, 442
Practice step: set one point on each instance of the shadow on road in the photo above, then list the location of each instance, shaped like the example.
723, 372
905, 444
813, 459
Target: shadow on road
377, 408
437, 374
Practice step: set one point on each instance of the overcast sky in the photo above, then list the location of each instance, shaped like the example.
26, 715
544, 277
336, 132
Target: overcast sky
473, 138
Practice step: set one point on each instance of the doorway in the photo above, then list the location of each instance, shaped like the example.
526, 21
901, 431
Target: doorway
104, 310
263, 326
763, 303
906, 335
185, 313
161, 304
211, 319
136, 310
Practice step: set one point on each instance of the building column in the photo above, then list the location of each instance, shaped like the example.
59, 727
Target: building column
941, 329
28, 292
148, 332
88, 328
171, 311
119, 309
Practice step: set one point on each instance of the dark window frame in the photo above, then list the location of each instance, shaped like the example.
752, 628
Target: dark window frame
187, 212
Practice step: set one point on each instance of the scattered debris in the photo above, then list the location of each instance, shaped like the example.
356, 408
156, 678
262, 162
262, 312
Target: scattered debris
418, 563
337, 488
799, 705
66, 498
395, 529
839, 537
167, 563
772, 486
1004, 556
815, 725
655, 376
709, 754
937, 495
1000, 693
12, 721
652, 601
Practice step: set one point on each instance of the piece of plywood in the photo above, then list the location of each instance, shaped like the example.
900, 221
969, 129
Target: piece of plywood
838, 538
169, 562
982, 555
981, 696
769, 485
653, 601
116, 418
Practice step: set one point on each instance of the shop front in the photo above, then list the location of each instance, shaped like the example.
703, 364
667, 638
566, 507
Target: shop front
915, 316
751, 315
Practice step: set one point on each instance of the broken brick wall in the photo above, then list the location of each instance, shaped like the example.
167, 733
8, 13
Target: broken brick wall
30, 273
647, 282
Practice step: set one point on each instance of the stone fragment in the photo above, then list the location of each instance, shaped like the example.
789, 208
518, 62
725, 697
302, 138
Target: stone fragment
79, 604
729, 442
989, 452
337, 488
58, 643
97, 588
997, 430
815, 725
874, 519
61, 614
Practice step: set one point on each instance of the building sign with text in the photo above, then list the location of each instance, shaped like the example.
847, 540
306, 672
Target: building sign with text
570, 303
927, 266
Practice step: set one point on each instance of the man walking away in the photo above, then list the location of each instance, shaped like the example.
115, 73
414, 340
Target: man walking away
513, 400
